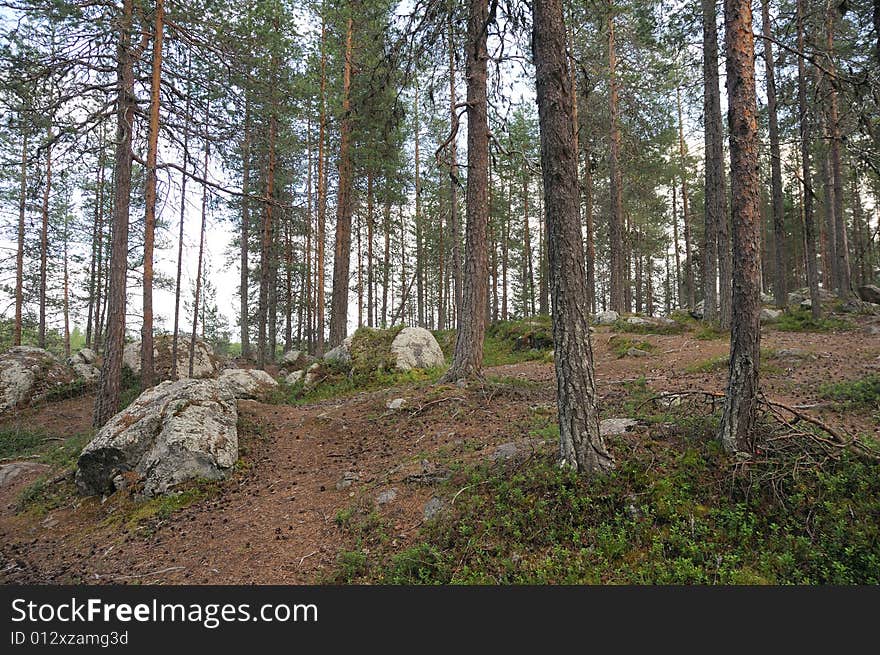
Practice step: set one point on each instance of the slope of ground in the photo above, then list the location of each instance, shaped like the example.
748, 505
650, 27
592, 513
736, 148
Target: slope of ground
319, 485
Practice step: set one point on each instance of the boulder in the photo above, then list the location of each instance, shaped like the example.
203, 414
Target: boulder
28, 374
341, 354
606, 318
799, 296
640, 321
855, 306
616, 426
869, 293
313, 374
87, 372
176, 431
296, 359
770, 315
248, 383
205, 363
14, 470
84, 356
416, 347
294, 377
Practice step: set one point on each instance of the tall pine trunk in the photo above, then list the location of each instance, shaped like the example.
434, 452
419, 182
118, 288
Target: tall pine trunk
740, 405
110, 384
615, 217
714, 154
806, 173
467, 361
44, 244
777, 206
19, 253
175, 338
581, 444
342, 251
148, 372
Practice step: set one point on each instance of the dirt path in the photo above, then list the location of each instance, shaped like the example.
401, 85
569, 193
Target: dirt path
275, 520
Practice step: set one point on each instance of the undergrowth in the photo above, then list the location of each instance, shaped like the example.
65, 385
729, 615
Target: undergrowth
801, 320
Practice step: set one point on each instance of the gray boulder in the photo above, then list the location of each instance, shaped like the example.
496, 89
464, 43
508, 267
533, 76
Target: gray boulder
296, 359
616, 426
28, 374
176, 431
205, 363
770, 315
341, 354
248, 382
869, 293
606, 318
84, 356
294, 377
416, 347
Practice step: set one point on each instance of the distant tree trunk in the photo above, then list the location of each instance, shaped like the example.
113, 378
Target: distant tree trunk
288, 288
467, 361
44, 244
806, 143
148, 368
454, 229
676, 245
309, 300
528, 282
266, 280
587, 191
107, 399
322, 191
827, 234
714, 154
386, 256
244, 237
725, 261
841, 247
420, 287
685, 213
371, 296
505, 250
342, 252
778, 208
66, 297
198, 293
101, 278
543, 290
740, 405
615, 217
581, 444
19, 253
175, 337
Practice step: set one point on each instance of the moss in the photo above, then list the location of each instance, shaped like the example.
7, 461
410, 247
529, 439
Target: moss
621, 345
371, 350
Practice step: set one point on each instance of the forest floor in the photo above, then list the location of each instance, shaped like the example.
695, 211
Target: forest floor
306, 492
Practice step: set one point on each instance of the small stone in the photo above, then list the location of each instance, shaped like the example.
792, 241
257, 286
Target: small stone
386, 496
433, 508
606, 318
770, 315
636, 352
396, 404
348, 479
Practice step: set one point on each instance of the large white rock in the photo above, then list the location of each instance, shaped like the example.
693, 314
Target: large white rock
27, 374
416, 347
606, 318
296, 359
205, 363
176, 431
84, 356
248, 382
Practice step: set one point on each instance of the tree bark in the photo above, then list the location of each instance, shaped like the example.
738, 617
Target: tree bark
615, 217
841, 247
342, 252
148, 368
454, 229
740, 405
322, 191
44, 244
468, 358
175, 338
198, 294
19, 253
244, 237
780, 292
581, 445
685, 213
714, 155
107, 399
806, 174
